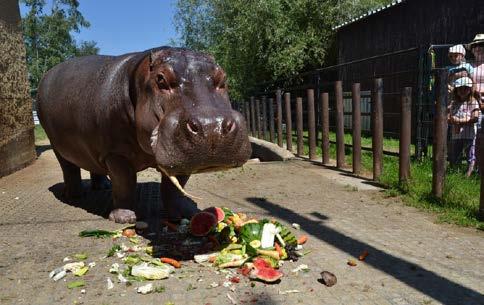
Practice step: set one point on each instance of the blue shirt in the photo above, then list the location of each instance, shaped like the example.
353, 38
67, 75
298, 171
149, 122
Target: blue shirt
461, 67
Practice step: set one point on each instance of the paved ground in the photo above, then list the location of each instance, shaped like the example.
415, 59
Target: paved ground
411, 259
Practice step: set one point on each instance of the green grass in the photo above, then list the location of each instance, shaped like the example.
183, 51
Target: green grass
39, 133
459, 204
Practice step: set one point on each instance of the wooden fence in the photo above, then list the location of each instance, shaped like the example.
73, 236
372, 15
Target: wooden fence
258, 120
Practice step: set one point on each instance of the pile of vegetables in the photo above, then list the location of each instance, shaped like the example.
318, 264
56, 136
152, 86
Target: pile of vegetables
257, 247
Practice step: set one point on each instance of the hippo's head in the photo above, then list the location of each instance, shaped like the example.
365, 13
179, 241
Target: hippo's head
183, 113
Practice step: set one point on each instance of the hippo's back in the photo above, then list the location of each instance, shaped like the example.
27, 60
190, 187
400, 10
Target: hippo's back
80, 102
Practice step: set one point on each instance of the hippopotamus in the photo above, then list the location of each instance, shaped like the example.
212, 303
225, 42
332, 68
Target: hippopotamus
165, 108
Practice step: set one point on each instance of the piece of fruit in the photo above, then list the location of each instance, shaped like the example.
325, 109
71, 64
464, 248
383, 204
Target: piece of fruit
129, 232
259, 263
217, 212
250, 232
255, 243
302, 240
268, 275
202, 223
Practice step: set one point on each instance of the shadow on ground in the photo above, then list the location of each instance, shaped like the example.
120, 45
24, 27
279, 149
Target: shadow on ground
39, 149
421, 279
99, 202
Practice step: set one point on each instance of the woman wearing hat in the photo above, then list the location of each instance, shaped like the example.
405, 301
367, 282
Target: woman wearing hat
463, 114
477, 48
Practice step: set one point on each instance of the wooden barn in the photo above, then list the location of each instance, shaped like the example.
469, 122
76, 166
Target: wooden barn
393, 42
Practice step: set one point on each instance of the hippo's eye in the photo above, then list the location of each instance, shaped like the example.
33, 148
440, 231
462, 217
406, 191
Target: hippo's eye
161, 81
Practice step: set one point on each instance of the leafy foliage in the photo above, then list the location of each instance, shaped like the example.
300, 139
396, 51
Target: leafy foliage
48, 37
260, 41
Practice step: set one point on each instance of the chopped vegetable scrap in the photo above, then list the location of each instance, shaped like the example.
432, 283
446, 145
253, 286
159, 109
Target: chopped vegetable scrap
220, 238
256, 247
351, 263
363, 255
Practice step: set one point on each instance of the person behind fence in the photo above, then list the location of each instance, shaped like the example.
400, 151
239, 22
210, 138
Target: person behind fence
463, 112
459, 67
477, 48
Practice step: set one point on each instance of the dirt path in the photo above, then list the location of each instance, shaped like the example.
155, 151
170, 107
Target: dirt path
411, 259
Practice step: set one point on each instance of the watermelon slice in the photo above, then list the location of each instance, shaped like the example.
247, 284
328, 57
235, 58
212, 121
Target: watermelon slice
260, 263
202, 223
217, 212
268, 275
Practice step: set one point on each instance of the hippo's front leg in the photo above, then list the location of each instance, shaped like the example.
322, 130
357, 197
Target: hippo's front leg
176, 204
123, 179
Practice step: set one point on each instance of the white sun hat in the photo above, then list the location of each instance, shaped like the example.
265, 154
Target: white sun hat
458, 49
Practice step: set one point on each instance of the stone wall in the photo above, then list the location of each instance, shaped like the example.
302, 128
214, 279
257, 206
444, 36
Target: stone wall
17, 148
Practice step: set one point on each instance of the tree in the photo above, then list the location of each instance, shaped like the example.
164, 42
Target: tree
259, 41
48, 37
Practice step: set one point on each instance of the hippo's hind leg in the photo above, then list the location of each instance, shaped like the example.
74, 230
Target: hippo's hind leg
176, 204
123, 178
100, 182
72, 177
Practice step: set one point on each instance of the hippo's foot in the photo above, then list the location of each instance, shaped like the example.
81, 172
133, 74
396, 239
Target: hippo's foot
180, 207
100, 182
122, 216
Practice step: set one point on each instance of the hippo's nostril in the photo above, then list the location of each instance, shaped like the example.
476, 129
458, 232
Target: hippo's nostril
228, 126
193, 127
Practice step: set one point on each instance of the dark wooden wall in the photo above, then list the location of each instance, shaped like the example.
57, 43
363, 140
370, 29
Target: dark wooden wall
410, 24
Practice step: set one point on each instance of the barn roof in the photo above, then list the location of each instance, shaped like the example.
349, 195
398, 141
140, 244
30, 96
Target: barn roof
369, 13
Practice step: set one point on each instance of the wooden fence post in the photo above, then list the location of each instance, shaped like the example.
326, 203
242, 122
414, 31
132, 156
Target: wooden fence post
356, 125
440, 135
252, 116
257, 119
279, 116
325, 126
340, 132
287, 101
405, 135
377, 128
480, 162
271, 119
311, 125
299, 126
247, 116
264, 118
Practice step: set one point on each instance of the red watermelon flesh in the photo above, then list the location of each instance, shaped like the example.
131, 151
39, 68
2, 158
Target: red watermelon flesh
202, 223
217, 212
266, 274
260, 263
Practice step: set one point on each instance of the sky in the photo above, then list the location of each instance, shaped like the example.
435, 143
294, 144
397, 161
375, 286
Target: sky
123, 26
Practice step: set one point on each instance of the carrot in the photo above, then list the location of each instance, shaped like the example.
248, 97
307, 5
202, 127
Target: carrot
170, 225
302, 240
170, 261
278, 249
363, 255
